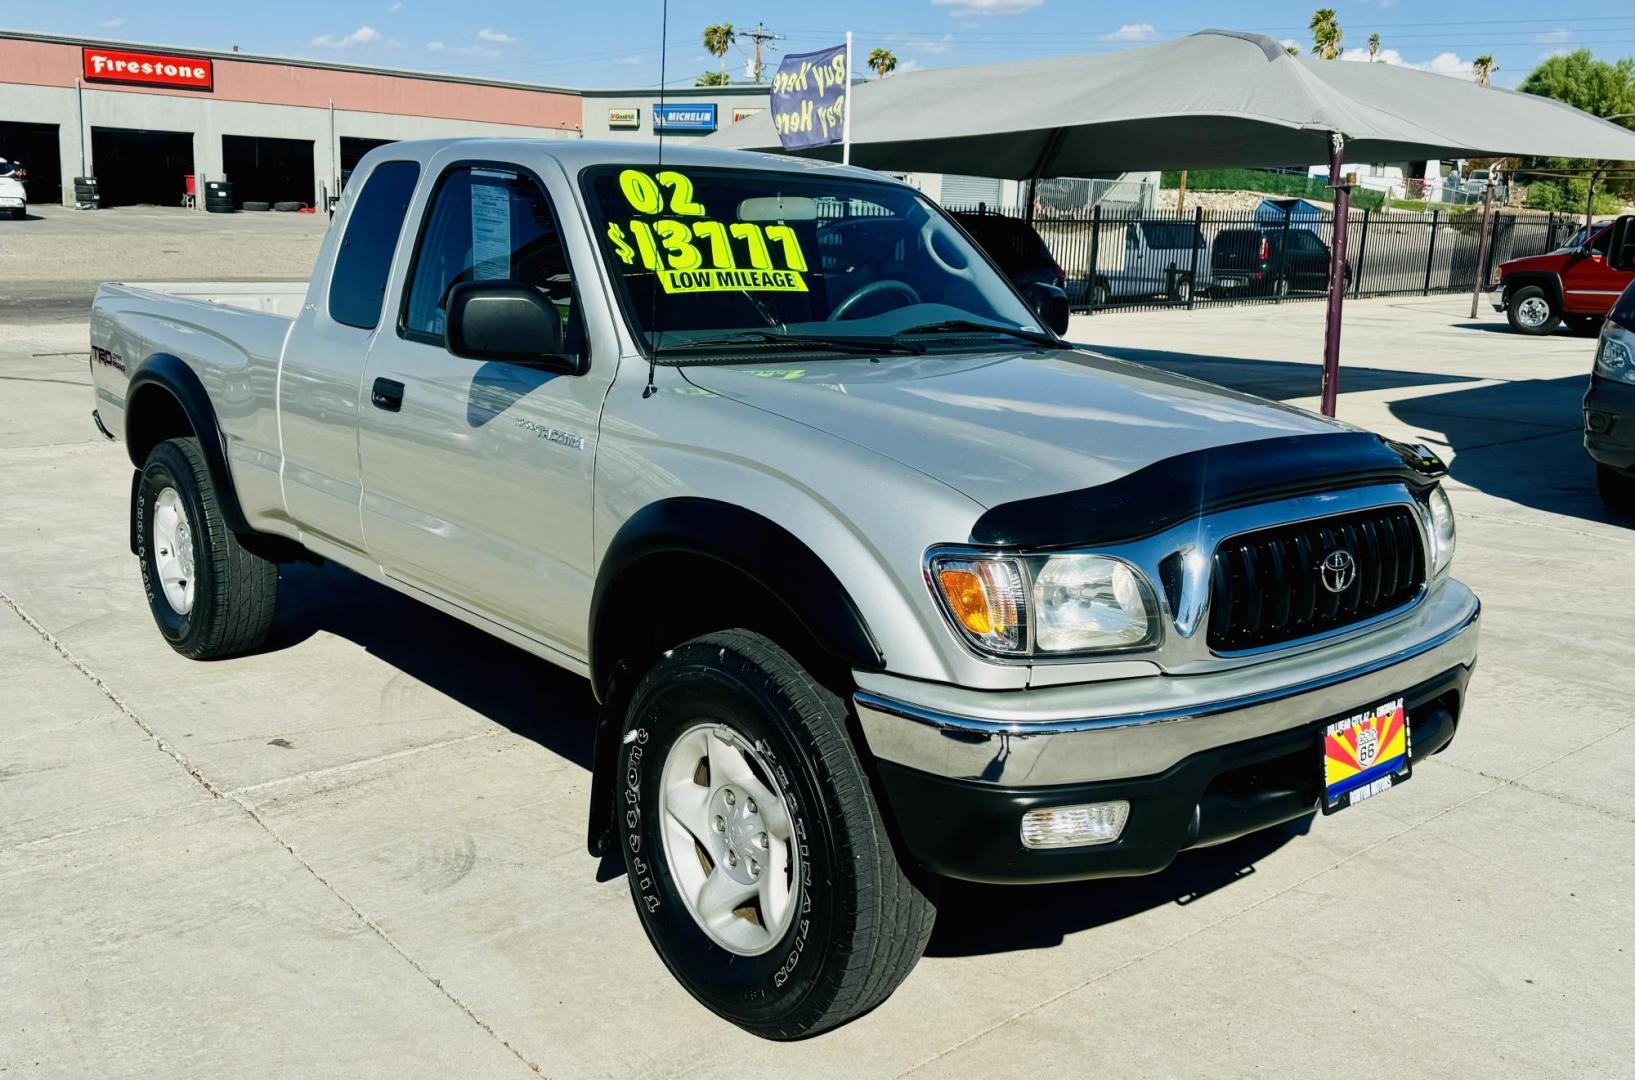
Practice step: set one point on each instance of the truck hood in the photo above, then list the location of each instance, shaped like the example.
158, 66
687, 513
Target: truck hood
1552, 261
1006, 425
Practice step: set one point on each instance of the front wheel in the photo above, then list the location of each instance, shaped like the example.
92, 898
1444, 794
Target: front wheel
757, 858
209, 595
1530, 311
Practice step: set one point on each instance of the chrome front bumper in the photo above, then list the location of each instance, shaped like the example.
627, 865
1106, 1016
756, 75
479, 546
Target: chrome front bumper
1142, 726
1495, 296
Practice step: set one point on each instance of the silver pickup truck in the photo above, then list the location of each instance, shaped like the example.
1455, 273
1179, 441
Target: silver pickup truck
877, 580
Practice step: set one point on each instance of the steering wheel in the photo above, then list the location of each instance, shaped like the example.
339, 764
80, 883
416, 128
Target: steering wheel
873, 287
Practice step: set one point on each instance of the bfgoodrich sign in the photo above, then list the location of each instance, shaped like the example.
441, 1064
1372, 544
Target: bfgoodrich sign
147, 69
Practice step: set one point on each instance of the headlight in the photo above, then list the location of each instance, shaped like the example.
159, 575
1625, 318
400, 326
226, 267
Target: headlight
1439, 522
1615, 358
1047, 605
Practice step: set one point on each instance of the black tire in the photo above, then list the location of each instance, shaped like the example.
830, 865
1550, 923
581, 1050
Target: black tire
86, 191
235, 592
1101, 294
1522, 319
860, 924
218, 208
1583, 325
1617, 489
85, 181
254, 205
286, 207
1279, 287
1181, 291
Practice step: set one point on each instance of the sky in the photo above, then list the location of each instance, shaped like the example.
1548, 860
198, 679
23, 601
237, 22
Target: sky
617, 44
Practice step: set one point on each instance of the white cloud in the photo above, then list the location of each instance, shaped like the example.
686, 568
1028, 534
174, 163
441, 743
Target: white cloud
908, 65
629, 60
111, 24
964, 8
363, 35
935, 46
486, 52
1445, 63
495, 37
1132, 32
395, 8
1554, 37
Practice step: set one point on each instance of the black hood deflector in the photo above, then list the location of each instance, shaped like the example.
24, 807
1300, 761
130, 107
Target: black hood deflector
1170, 491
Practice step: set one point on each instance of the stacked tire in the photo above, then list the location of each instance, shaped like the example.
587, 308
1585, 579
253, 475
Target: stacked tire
218, 196
87, 195
251, 204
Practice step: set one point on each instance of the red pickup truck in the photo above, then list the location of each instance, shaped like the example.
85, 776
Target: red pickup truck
1576, 284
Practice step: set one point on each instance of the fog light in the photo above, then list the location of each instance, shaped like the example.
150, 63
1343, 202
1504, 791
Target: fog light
1075, 826
1599, 422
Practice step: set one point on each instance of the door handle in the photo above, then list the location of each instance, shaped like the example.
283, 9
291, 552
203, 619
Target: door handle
387, 394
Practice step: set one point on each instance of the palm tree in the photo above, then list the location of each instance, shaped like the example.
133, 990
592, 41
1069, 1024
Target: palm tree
1325, 33
1485, 67
1292, 50
883, 62
1373, 47
712, 78
717, 40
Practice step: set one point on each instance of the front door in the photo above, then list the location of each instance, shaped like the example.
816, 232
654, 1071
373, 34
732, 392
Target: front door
477, 475
1589, 281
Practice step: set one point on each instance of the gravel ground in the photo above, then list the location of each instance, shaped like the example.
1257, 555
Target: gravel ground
52, 262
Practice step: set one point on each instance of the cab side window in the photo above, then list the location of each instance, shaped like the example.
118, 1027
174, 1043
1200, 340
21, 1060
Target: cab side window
488, 224
1602, 241
357, 287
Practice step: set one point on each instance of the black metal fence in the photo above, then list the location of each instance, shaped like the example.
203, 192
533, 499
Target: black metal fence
1199, 257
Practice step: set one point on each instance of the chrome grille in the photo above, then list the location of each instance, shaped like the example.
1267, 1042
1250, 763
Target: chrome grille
1267, 586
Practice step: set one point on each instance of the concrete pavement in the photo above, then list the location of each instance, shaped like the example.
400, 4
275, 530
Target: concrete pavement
361, 850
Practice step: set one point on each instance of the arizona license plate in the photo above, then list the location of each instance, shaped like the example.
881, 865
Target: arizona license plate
1364, 755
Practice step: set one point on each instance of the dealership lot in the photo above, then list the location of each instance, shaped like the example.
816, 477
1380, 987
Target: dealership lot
362, 849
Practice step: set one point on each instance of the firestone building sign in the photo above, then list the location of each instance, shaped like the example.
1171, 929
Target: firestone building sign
147, 69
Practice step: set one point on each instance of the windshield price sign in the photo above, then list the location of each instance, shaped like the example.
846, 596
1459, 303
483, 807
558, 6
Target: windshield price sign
691, 252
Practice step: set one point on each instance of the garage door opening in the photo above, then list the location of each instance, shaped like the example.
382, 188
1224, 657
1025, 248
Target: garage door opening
268, 170
34, 148
352, 151
141, 167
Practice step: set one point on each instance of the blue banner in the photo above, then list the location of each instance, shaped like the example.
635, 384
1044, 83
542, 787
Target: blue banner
809, 98
687, 117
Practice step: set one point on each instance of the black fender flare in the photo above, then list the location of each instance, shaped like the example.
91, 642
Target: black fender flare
164, 373
741, 540
1547, 280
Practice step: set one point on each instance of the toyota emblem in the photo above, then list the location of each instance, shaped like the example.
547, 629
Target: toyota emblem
1338, 570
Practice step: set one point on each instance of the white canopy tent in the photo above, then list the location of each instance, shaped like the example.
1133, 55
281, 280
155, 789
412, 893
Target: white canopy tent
1214, 98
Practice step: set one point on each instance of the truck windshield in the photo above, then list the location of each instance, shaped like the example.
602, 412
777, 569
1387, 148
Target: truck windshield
708, 258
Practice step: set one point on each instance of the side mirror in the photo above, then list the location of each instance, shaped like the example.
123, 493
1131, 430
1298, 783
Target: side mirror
1621, 244
1050, 303
506, 321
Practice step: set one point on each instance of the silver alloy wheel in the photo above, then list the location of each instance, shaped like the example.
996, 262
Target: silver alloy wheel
173, 550
1533, 311
728, 839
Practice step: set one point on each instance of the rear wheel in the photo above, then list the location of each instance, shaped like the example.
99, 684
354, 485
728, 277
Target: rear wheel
1531, 312
1100, 293
208, 594
1617, 489
758, 860
1181, 291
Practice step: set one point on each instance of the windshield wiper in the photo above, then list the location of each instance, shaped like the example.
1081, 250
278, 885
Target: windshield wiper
846, 343
952, 326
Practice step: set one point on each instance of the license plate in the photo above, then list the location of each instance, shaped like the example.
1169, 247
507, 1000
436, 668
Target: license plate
1364, 755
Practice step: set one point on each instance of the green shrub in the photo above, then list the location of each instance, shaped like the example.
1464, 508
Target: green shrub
1567, 196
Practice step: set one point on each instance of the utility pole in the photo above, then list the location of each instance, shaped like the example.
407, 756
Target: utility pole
760, 35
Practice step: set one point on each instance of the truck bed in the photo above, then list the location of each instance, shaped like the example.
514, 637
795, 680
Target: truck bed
229, 334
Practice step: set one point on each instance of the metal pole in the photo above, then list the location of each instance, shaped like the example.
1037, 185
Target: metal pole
1095, 253
1430, 255
1336, 276
79, 94
846, 117
1481, 249
1197, 242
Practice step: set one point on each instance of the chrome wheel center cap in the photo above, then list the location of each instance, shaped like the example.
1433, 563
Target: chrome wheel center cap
743, 834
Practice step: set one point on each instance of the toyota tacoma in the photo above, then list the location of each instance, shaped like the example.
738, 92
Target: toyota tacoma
878, 581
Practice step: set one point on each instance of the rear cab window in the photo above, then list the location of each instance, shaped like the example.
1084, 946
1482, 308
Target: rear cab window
357, 286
